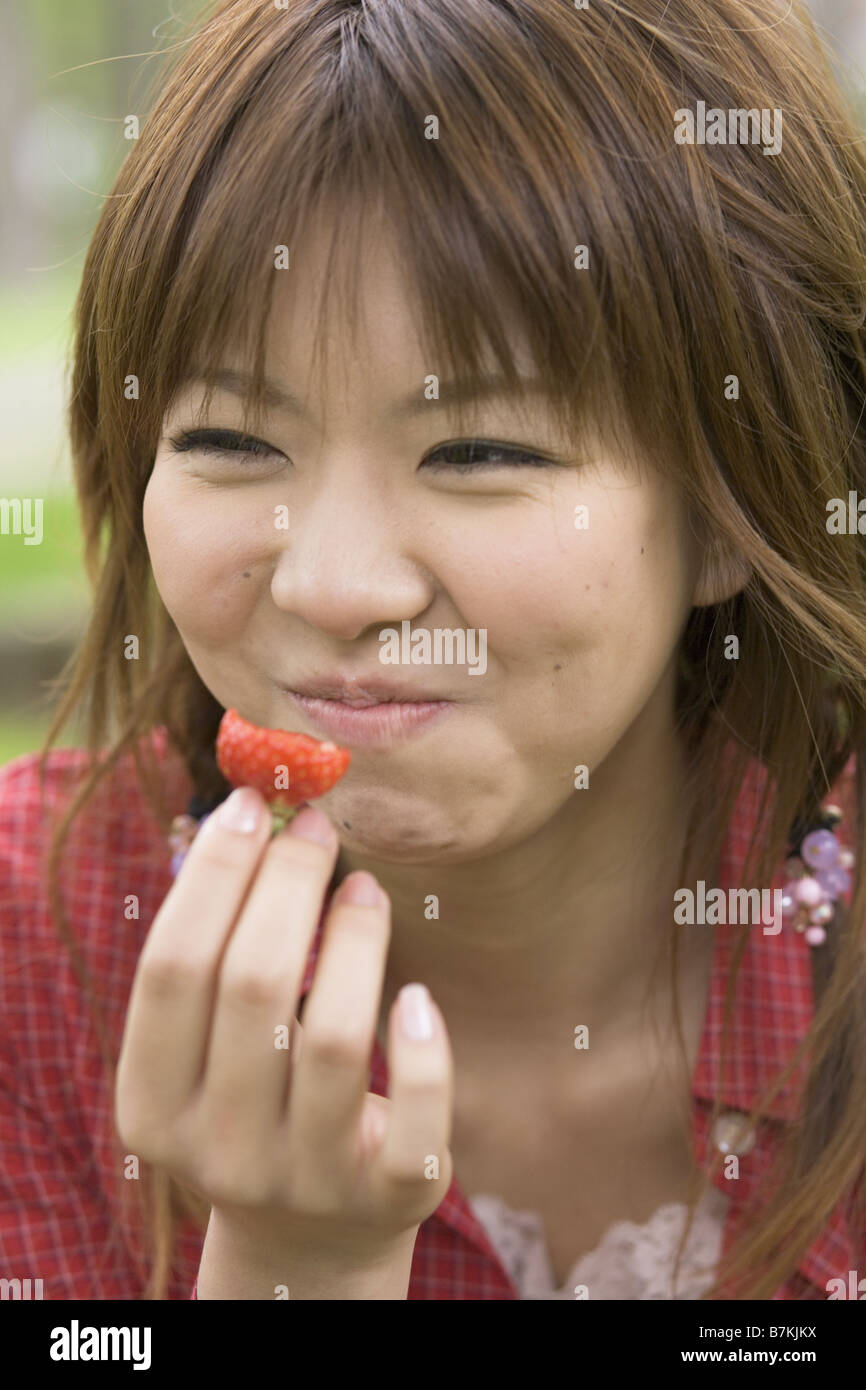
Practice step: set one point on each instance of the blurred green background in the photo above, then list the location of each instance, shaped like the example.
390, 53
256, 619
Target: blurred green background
70, 73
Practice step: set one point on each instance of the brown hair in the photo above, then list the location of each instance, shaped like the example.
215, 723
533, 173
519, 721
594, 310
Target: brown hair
705, 262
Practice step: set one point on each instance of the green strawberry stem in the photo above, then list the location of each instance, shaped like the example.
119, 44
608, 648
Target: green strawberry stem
280, 817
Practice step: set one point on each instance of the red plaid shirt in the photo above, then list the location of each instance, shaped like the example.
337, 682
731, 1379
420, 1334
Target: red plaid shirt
62, 1217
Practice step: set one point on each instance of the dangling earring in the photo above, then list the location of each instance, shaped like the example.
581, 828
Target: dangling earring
819, 872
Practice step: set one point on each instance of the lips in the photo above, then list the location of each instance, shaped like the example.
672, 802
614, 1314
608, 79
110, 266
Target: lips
370, 713
362, 694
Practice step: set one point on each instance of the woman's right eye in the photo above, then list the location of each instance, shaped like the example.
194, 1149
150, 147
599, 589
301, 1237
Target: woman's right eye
213, 441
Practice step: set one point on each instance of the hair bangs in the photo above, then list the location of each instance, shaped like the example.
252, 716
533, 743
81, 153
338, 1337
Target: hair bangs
494, 287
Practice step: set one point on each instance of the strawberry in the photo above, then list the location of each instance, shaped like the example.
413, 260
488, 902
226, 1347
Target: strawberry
252, 756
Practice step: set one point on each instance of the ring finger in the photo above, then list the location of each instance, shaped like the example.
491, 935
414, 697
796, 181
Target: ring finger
331, 1078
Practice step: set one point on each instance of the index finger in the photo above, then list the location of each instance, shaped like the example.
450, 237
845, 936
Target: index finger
164, 1039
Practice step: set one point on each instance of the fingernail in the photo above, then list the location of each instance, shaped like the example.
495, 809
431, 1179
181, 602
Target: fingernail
361, 889
241, 811
416, 1014
311, 824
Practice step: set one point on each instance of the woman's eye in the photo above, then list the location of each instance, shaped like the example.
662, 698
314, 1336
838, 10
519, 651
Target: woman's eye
476, 454
463, 456
220, 442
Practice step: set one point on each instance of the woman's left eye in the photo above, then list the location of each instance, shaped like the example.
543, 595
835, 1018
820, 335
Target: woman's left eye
479, 453
220, 442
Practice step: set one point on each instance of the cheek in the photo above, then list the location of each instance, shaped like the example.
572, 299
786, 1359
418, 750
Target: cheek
540, 586
199, 552
614, 592
631, 599
519, 576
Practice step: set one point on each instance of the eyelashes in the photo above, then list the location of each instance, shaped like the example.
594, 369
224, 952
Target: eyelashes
478, 454
501, 456
218, 442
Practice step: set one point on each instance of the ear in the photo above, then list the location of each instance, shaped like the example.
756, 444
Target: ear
723, 572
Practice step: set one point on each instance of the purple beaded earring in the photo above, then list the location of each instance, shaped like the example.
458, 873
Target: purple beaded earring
818, 873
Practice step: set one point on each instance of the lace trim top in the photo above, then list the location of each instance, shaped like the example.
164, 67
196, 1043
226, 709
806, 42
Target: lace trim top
631, 1261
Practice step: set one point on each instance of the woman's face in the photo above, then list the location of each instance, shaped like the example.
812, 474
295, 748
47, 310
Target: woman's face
283, 567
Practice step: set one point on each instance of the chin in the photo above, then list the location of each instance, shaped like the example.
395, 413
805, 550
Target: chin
400, 828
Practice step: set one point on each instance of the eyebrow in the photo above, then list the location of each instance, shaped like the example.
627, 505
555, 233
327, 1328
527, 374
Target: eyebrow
451, 393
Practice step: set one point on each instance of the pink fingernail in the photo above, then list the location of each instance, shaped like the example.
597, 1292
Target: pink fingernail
312, 824
361, 889
416, 1013
241, 811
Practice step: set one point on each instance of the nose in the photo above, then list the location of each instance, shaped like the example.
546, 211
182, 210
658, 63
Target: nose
349, 560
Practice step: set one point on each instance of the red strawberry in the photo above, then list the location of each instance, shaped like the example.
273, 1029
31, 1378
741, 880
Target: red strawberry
251, 756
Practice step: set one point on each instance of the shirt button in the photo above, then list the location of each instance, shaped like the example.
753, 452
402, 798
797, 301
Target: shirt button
732, 1134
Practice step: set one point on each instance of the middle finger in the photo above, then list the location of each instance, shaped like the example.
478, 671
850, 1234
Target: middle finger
260, 979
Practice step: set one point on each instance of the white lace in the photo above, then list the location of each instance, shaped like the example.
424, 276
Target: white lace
631, 1261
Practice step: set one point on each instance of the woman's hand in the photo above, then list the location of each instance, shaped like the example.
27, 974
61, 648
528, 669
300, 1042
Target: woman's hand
313, 1181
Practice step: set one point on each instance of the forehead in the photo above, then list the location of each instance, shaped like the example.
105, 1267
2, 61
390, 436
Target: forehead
370, 350
376, 348
353, 324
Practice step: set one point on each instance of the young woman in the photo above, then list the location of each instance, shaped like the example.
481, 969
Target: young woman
544, 326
